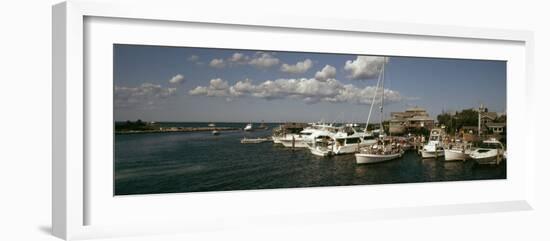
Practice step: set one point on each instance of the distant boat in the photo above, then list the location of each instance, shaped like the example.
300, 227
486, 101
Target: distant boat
253, 140
215, 132
263, 126
248, 127
211, 125
490, 152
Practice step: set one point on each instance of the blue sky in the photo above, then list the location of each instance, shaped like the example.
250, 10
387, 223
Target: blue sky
158, 83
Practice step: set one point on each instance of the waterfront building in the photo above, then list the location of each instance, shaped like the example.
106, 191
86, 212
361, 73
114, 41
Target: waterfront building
411, 119
495, 128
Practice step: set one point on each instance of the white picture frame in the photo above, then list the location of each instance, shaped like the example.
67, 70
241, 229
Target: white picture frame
73, 192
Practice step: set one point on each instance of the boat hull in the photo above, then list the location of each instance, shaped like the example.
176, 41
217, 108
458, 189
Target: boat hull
298, 143
363, 158
432, 154
349, 148
318, 151
456, 155
276, 139
490, 160
253, 141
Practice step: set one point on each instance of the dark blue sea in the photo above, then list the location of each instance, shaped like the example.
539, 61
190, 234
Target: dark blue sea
198, 162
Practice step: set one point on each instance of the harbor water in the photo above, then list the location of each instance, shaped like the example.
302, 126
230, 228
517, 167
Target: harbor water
151, 163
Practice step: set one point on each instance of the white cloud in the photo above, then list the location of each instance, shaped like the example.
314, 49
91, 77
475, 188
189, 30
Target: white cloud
145, 95
218, 87
193, 58
177, 79
308, 90
328, 72
365, 67
239, 58
298, 68
264, 60
217, 63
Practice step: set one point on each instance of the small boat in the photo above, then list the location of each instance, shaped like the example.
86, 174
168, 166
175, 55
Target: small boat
248, 127
458, 152
215, 132
263, 126
378, 153
490, 152
253, 140
211, 125
434, 148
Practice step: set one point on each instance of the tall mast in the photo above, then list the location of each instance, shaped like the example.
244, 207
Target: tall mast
382, 98
374, 98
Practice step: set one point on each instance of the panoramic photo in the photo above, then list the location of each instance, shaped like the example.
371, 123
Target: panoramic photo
190, 119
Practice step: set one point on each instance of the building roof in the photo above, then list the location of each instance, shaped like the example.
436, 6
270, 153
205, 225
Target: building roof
493, 124
416, 109
490, 115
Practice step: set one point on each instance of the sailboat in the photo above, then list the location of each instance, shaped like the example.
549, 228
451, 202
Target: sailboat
384, 150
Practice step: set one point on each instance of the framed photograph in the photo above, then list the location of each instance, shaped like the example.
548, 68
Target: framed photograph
176, 121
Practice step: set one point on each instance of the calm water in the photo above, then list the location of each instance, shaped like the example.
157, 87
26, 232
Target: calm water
196, 162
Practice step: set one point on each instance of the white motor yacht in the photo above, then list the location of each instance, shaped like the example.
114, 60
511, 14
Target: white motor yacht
434, 148
349, 141
490, 152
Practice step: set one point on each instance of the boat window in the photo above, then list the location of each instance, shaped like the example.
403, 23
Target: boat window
353, 140
369, 138
491, 145
434, 138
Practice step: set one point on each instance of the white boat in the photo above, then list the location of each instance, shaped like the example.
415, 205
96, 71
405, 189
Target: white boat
349, 141
338, 141
378, 153
458, 152
276, 139
248, 127
215, 132
301, 139
321, 144
253, 140
285, 130
298, 140
490, 152
434, 148
211, 125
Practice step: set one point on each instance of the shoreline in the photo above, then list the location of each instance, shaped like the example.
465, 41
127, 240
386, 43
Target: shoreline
178, 129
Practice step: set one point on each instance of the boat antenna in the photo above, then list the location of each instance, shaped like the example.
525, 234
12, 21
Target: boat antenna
374, 97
